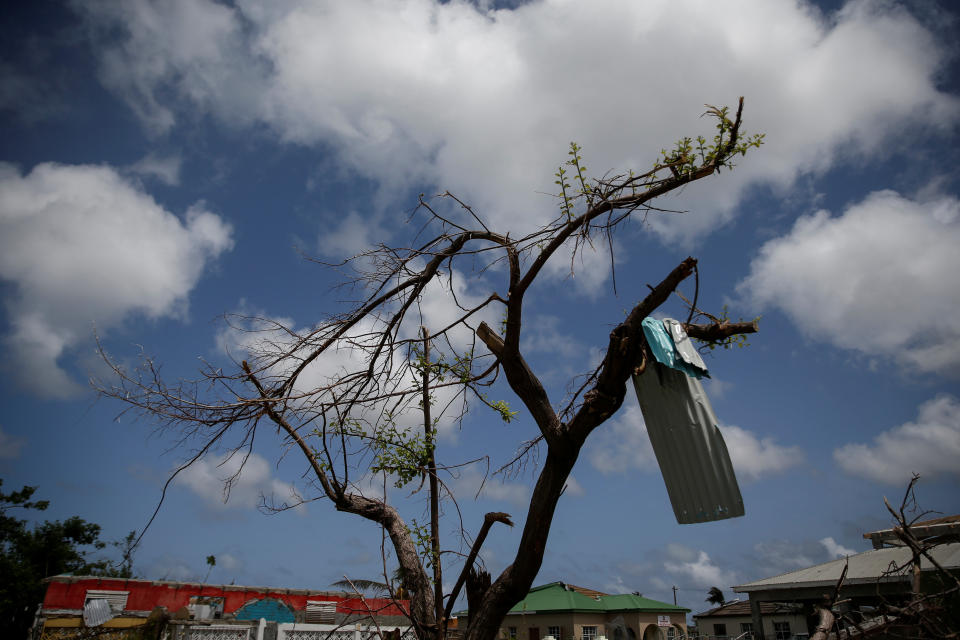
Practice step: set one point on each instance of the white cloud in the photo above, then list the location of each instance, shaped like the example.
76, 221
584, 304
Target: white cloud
166, 169
208, 476
753, 457
717, 387
835, 549
875, 279
472, 483
779, 556
574, 488
229, 562
622, 444
588, 270
351, 236
256, 335
173, 568
194, 46
543, 334
930, 445
84, 246
10, 445
444, 300
774, 557
696, 568
484, 102
246, 331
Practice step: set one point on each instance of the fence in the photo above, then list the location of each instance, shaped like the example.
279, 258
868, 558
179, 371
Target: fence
300, 631
190, 630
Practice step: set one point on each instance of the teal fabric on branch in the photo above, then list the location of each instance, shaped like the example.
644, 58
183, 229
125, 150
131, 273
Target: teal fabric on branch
684, 347
665, 349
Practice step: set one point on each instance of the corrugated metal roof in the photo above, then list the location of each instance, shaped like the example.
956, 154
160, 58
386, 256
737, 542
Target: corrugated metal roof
557, 596
630, 602
689, 447
742, 608
864, 567
947, 528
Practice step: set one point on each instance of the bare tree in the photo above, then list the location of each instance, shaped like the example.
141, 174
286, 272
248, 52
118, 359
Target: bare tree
933, 609
362, 391
929, 609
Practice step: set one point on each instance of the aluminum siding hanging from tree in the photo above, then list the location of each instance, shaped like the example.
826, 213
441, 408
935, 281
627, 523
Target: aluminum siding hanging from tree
690, 450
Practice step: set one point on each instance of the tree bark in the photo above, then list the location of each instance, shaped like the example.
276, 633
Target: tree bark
825, 624
434, 489
564, 442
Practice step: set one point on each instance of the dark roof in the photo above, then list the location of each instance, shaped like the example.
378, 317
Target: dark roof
175, 584
947, 529
742, 608
591, 593
557, 596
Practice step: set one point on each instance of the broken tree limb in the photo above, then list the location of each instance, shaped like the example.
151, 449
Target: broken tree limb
718, 331
826, 609
488, 520
825, 624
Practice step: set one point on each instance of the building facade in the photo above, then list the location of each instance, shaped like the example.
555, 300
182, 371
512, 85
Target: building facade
566, 612
735, 620
76, 604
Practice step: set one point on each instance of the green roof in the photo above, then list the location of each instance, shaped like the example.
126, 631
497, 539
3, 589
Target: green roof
556, 596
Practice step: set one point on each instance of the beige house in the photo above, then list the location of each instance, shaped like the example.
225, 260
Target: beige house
735, 620
567, 612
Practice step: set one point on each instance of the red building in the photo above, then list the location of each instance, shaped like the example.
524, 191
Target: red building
76, 602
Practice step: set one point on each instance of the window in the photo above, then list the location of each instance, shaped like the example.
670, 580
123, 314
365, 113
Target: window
747, 627
512, 633
589, 633
781, 630
116, 599
720, 629
556, 632
321, 611
671, 633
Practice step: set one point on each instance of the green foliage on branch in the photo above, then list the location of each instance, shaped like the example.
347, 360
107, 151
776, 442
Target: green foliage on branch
401, 452
568, 194
689, 159
686, 158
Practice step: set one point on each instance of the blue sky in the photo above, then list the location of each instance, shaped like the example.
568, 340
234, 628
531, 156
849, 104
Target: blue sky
165, 163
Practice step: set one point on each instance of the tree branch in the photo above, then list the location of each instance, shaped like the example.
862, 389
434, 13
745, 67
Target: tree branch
714, 332
488, 521
524, 383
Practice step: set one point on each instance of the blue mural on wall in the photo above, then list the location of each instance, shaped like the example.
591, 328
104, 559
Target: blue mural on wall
270, 609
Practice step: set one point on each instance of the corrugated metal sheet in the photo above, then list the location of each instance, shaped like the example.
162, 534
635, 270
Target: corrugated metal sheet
863, 567
690, 450
116, 599
96, 612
